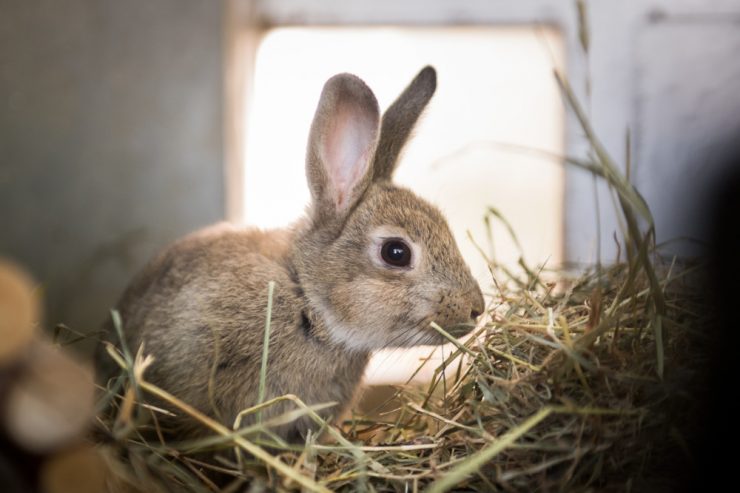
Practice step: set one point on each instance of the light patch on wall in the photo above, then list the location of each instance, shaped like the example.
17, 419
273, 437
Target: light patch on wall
495, 96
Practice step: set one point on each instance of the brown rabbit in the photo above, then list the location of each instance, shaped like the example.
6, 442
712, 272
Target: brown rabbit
369, 267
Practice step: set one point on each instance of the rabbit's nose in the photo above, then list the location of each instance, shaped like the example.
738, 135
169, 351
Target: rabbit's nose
478, 304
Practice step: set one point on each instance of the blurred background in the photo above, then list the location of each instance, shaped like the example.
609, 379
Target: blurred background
124, 125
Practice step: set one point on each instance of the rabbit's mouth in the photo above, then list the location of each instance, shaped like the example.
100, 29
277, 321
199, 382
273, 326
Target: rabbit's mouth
460, 330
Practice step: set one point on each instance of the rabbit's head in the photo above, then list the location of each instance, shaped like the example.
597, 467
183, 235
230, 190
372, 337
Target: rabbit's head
376, 262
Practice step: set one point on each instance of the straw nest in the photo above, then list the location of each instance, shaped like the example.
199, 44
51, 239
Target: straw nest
568, 386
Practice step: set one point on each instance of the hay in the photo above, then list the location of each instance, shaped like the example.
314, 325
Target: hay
559, 390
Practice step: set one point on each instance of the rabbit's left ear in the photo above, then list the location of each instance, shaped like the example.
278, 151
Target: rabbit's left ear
341, 147
400, 119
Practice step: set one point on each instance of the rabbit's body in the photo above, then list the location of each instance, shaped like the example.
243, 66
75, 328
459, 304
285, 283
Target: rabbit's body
195, 292
371, 266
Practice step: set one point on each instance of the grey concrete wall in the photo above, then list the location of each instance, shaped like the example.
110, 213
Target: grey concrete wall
688, 116
110, 140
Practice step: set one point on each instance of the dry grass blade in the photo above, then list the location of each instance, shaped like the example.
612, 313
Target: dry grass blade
632, 204
265, 346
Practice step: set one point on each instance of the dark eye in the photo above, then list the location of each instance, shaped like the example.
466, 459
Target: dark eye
396, 253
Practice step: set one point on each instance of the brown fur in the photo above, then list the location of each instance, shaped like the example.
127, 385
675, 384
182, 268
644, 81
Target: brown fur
200, 306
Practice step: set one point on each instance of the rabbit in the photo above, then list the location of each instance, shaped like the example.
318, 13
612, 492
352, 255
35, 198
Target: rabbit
369, 267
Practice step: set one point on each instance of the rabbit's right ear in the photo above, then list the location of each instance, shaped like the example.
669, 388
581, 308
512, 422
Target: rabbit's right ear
341, 147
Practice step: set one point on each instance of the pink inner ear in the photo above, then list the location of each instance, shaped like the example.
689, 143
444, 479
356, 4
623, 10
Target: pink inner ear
346, 150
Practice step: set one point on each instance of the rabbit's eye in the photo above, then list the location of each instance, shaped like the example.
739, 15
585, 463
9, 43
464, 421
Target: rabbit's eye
396, 253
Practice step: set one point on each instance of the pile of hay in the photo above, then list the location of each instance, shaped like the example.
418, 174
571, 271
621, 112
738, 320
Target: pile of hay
561, 389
